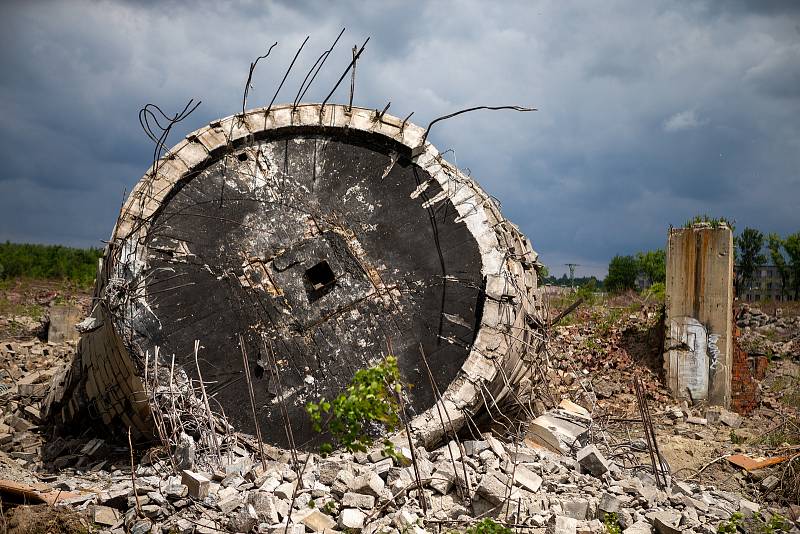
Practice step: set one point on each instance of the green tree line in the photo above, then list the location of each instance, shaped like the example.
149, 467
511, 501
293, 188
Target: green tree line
784, 254
624, 270
49, 262
752, 248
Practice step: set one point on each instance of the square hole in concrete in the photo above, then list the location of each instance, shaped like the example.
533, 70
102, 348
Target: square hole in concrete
321, 278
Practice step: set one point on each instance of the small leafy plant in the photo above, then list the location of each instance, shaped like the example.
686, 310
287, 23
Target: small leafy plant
731, 525
372, 397
714, 222
488, 526
329, 508
736, 439
757, 524
611, 523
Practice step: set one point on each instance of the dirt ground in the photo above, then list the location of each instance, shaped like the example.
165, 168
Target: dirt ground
43, 519
606, 343
25, 301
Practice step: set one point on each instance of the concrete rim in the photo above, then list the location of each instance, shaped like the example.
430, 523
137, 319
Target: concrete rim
500, 356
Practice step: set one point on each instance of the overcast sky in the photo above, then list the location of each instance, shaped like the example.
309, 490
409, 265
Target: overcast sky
649, 111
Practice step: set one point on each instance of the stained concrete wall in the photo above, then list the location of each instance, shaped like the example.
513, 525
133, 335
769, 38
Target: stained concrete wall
699, 335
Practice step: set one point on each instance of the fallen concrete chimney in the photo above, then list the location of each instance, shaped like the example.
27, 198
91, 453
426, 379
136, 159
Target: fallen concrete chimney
323, 238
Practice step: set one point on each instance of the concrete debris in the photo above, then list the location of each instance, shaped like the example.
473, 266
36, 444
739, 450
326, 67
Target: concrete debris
543, 490
769, 333
351, 519
63, 319
591, 459
561, 429
564, 525
730, 419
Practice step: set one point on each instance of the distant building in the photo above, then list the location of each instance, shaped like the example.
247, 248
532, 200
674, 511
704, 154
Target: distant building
765, 285
642, 282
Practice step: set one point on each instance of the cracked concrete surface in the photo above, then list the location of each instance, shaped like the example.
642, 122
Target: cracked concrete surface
322, 237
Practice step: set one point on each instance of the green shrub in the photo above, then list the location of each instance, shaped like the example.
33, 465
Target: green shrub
657, 291
372, 397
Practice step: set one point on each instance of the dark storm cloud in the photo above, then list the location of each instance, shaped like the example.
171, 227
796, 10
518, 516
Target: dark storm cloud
649, 112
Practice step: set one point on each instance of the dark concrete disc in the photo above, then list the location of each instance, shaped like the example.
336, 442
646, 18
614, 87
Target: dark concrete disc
323, 253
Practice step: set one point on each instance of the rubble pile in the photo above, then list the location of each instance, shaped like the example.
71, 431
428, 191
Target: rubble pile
597, 357
22, 326
572, 473
369, 493
763, 333
26, 369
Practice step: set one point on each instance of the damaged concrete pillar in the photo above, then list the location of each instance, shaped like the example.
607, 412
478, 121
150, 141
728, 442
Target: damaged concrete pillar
699, 330
315, 240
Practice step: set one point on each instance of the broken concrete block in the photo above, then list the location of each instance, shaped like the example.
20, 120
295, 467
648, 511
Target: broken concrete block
358, 500
563, 525
329, 470
609, 504
105, 515
639, 527
559, 430
474, 447
153, 511
730, 419
368, 483
681, 488
495, 444
748, 508
526, 478
666, 526
294, 528
318, 522
345, 481
770, 483
176, 491
443, 478
244, 520
592, 460
712, 415
351, 519
408, 522
286, 490
141, 526
697, 420
575, 508
264, 505
382, 466
492, 489
184, 526
197, 484
229, 504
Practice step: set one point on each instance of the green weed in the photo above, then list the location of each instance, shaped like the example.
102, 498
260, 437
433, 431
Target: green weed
372, 397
